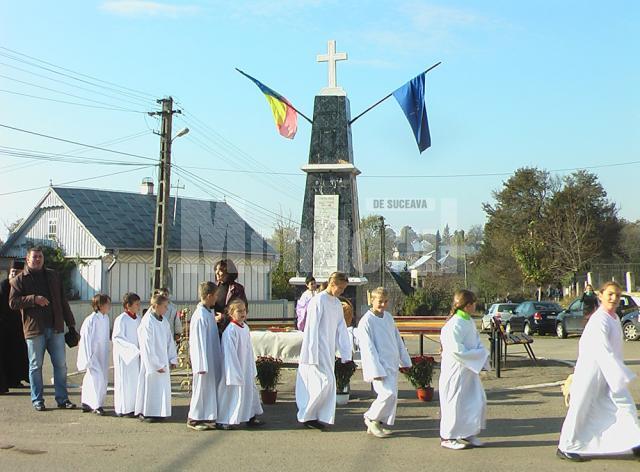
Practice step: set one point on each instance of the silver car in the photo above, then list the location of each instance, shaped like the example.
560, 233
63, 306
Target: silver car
500, 310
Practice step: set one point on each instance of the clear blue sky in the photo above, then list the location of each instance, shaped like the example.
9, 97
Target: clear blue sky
548, 83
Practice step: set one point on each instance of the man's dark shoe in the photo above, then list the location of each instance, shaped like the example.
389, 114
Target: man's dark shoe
636, 451
255, 422
570, 456
67, 405
39, 406
99, 411
86, 408
314, 424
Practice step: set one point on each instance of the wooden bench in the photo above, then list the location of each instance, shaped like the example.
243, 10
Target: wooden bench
514, 339
421, 326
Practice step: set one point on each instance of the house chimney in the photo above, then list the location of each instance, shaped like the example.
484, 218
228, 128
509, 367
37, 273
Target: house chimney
146, 187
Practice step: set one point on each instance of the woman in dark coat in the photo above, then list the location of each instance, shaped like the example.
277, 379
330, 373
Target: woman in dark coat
226, 274
14, 361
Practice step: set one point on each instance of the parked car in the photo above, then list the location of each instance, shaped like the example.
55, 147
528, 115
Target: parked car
534, 317
572, 320
499, 310
631, 325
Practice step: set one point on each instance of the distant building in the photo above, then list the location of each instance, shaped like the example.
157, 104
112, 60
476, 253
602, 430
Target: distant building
113, 233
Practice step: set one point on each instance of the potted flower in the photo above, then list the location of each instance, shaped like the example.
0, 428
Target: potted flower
268, 369
420, 374
343, 372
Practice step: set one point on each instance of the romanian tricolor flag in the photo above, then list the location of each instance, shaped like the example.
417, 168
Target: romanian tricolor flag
283, 112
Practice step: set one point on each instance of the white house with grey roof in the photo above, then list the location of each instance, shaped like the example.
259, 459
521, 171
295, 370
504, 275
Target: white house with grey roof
112, 232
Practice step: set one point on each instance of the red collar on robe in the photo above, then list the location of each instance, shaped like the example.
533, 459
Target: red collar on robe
133, 316
237, 324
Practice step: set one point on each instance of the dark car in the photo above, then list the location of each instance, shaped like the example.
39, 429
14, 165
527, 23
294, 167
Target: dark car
572, 320
631, 326
534, 317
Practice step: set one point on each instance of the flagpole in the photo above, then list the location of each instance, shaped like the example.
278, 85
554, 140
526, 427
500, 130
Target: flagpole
288, 103
383, 99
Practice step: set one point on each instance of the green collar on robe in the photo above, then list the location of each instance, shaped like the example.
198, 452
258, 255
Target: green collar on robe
463, 314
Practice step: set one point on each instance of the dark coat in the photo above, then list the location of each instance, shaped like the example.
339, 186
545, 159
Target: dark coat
23, 295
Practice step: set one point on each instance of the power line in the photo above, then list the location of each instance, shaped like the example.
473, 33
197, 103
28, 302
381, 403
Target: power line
31, 84
140, 102
74, 181
76, 143
66, 102
120, 88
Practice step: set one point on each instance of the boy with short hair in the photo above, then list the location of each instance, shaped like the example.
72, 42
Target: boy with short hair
93, 355
383, 352
126, 356
204, 350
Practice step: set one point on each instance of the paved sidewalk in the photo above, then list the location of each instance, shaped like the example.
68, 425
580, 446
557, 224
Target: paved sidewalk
522, 432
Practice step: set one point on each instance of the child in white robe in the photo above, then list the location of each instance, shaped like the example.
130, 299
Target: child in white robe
205, 354
325, 331
383, 353
93, 355
126, 356
463, 402
602, 417
238, 399
157, 356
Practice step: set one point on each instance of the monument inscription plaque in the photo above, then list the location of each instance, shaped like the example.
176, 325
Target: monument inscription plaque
325, 235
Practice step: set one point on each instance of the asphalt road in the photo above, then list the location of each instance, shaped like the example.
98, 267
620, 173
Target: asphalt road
525, 414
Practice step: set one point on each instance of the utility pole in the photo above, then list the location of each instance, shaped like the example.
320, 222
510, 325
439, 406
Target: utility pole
382, 248
161, 233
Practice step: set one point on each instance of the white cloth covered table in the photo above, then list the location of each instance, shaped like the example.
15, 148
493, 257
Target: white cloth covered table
284, 345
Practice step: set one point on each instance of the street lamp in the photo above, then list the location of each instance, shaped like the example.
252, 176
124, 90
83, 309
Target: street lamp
180, 133
466, 285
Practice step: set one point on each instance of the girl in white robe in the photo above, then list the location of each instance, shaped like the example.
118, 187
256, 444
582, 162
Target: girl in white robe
463, 402
383, 353
157, 356
238, 399
324, 331
93, 355
126, 356
205, 354
602, 416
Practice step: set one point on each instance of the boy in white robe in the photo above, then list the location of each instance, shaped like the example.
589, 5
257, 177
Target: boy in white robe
463, 402
315, 380
238, 399
383, 353
602, 417
126, 356
157, 356
204, 350
93, 355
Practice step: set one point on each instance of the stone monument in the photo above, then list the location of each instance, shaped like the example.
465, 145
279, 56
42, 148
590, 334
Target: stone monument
329, 233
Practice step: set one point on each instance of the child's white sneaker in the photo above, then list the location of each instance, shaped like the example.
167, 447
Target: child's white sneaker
453, 444
385, 431
474, 441
373, 427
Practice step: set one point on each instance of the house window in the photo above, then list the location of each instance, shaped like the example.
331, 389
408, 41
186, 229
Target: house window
53, 229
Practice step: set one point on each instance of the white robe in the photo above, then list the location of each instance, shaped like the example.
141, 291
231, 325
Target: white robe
157, 351
93, 355
602, 416
238, 399
383, 353
463, 402
126, 363
316, 381
204, 350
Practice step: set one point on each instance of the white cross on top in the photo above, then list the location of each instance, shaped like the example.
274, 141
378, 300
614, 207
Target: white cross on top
331, 58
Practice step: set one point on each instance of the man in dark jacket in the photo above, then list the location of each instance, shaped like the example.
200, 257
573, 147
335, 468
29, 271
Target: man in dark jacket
39, 295
14, 364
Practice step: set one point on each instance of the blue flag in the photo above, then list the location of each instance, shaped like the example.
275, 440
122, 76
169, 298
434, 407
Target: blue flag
410, 97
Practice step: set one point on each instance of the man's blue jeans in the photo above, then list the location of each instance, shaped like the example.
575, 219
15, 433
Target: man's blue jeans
54, 343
